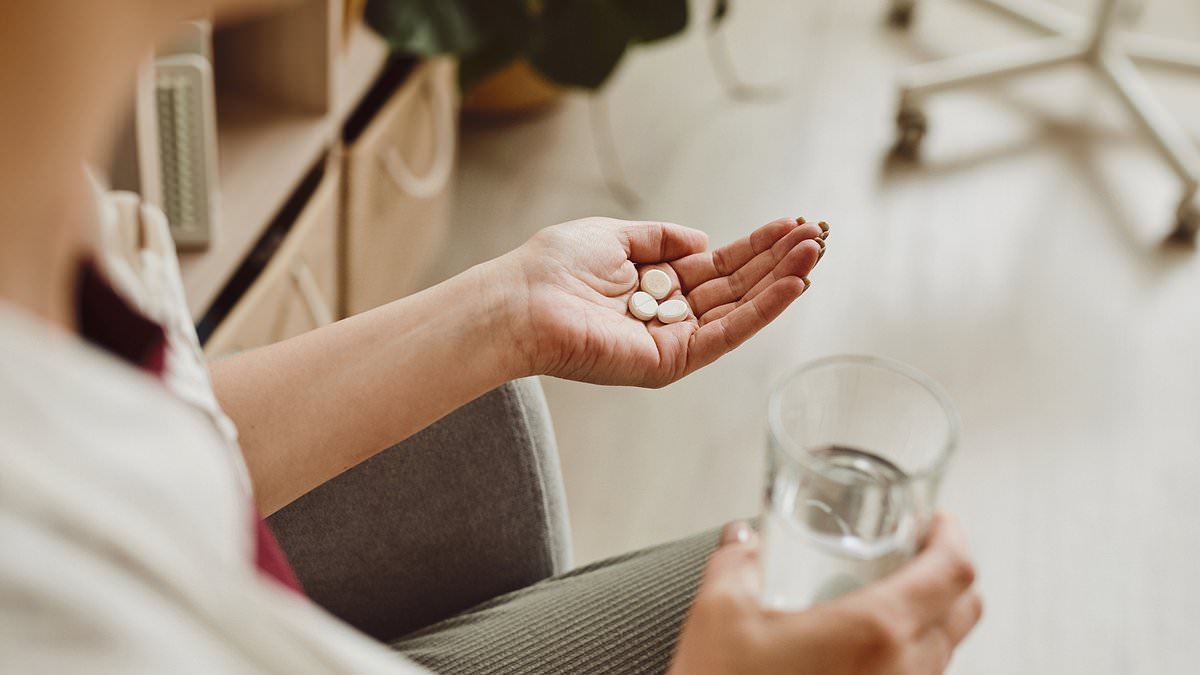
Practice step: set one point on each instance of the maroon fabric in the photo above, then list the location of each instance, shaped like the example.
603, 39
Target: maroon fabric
270, 558
107, 321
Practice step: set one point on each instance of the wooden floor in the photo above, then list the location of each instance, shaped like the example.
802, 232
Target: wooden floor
1019, 264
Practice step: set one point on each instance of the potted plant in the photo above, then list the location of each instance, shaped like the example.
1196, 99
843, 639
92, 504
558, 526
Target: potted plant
517, 55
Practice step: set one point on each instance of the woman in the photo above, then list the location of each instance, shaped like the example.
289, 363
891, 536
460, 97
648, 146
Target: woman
130, 507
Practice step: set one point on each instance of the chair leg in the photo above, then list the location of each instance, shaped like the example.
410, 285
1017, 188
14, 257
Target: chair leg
999, 63
919, 80
1163, 51
1102, 46
1038, 13
1172, 140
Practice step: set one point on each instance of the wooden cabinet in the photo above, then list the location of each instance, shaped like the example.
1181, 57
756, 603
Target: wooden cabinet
298, 289
397, 180
285, 85
294, 87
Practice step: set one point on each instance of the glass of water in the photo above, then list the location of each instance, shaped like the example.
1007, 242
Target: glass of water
858, 446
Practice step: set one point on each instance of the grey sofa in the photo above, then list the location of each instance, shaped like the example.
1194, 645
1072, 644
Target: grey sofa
466, 510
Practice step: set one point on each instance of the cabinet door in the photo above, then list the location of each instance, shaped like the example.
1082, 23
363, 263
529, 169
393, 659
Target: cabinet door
398, 175
298, 289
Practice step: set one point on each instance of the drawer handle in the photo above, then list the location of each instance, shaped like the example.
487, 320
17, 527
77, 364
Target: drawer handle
310, 292
441, 98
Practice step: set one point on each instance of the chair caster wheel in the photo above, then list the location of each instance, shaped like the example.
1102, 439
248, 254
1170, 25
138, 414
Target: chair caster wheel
901, 14
1187, 224
910, 132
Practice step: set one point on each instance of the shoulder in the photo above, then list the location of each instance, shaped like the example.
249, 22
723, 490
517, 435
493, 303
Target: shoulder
109, 489
93, 443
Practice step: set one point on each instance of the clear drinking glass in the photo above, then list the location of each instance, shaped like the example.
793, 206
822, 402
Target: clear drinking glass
858, 446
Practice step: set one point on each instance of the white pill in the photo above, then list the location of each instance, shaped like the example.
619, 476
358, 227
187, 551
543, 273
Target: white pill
657, 284
673, 310
643, 306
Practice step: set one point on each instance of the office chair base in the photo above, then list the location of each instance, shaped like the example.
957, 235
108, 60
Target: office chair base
901, 13
1187, 225
911, 126
1111, 52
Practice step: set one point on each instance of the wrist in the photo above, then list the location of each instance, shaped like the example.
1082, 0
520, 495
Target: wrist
500, 305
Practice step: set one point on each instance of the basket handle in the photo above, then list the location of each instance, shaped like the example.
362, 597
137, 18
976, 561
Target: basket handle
310, 291
441, 101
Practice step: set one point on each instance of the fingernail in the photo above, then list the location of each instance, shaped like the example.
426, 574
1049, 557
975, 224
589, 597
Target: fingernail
737, 531
800, 220
824, 229
807, 283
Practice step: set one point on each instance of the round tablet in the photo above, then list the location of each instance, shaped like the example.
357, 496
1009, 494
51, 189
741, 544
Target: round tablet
656, 283
673, 310
643, 306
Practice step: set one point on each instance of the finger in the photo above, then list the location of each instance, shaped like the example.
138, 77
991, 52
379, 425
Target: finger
935, 647
738, 532
929, 585
734, 567
647, 242
717, 312
963, 617
800, 267
799, 262
794, 254
701, 267
929, 653
718, 337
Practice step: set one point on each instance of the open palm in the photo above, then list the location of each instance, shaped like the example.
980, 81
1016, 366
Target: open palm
579, 276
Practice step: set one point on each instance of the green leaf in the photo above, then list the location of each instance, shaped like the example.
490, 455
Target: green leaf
509, 27
582, 41
423, 27
572, 42
502, 20
651, 20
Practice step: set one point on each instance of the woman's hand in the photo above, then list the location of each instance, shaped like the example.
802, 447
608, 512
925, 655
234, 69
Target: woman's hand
573, 282
906, 624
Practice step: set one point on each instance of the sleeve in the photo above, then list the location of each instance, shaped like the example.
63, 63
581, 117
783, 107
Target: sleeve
117, 557
66, 607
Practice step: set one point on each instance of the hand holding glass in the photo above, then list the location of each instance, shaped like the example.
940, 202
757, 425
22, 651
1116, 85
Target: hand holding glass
858, 447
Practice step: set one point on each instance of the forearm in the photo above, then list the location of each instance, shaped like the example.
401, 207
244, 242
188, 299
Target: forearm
313, 406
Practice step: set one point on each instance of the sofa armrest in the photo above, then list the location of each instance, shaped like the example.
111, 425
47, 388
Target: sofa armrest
469, 508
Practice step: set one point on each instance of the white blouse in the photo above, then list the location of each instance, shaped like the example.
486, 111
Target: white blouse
125, 502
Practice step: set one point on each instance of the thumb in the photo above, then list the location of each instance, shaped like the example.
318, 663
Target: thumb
733, 567
737, 532
652, 242
727, 596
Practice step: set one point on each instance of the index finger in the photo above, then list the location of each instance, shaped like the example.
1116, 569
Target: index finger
930, 585
705, 266
715, 338
651, 242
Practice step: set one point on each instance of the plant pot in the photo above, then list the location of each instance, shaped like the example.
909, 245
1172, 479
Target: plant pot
352, 16
515, 91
